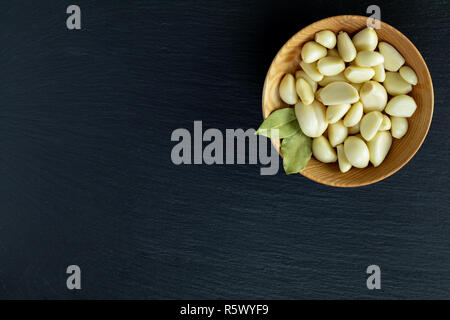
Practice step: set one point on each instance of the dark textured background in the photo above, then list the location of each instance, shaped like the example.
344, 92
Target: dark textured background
86, 178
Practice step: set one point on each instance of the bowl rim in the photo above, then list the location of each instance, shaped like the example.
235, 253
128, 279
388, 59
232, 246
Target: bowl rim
427, 76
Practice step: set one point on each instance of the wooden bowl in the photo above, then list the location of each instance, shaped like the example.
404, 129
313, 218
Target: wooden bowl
402, 150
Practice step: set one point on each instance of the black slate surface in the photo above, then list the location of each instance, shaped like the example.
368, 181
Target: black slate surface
86, 177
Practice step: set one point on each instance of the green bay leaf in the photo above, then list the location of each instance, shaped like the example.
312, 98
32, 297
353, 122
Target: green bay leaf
296, 151
283, 120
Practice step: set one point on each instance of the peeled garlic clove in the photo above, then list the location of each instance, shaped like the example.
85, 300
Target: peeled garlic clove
330, 66
337, 133
393, 60
354, 129
302, 74
356, 151
287, 89
304, 91
344, 164
345, 46
312, 51
395, 84
322, 150
408, 75
366, 39
368, 59
311, 118
401, 106
354, 115
370, 124
399, 127
336, 112
311, 70
373, 96
358, 74
380, 74
338, 93
327, 80
386, 124
379, 147
333, 53
326, 38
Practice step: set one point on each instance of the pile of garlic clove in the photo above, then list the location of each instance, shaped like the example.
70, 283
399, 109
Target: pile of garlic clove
350, 98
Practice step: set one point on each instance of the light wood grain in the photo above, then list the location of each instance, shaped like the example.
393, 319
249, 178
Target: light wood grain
287, 60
